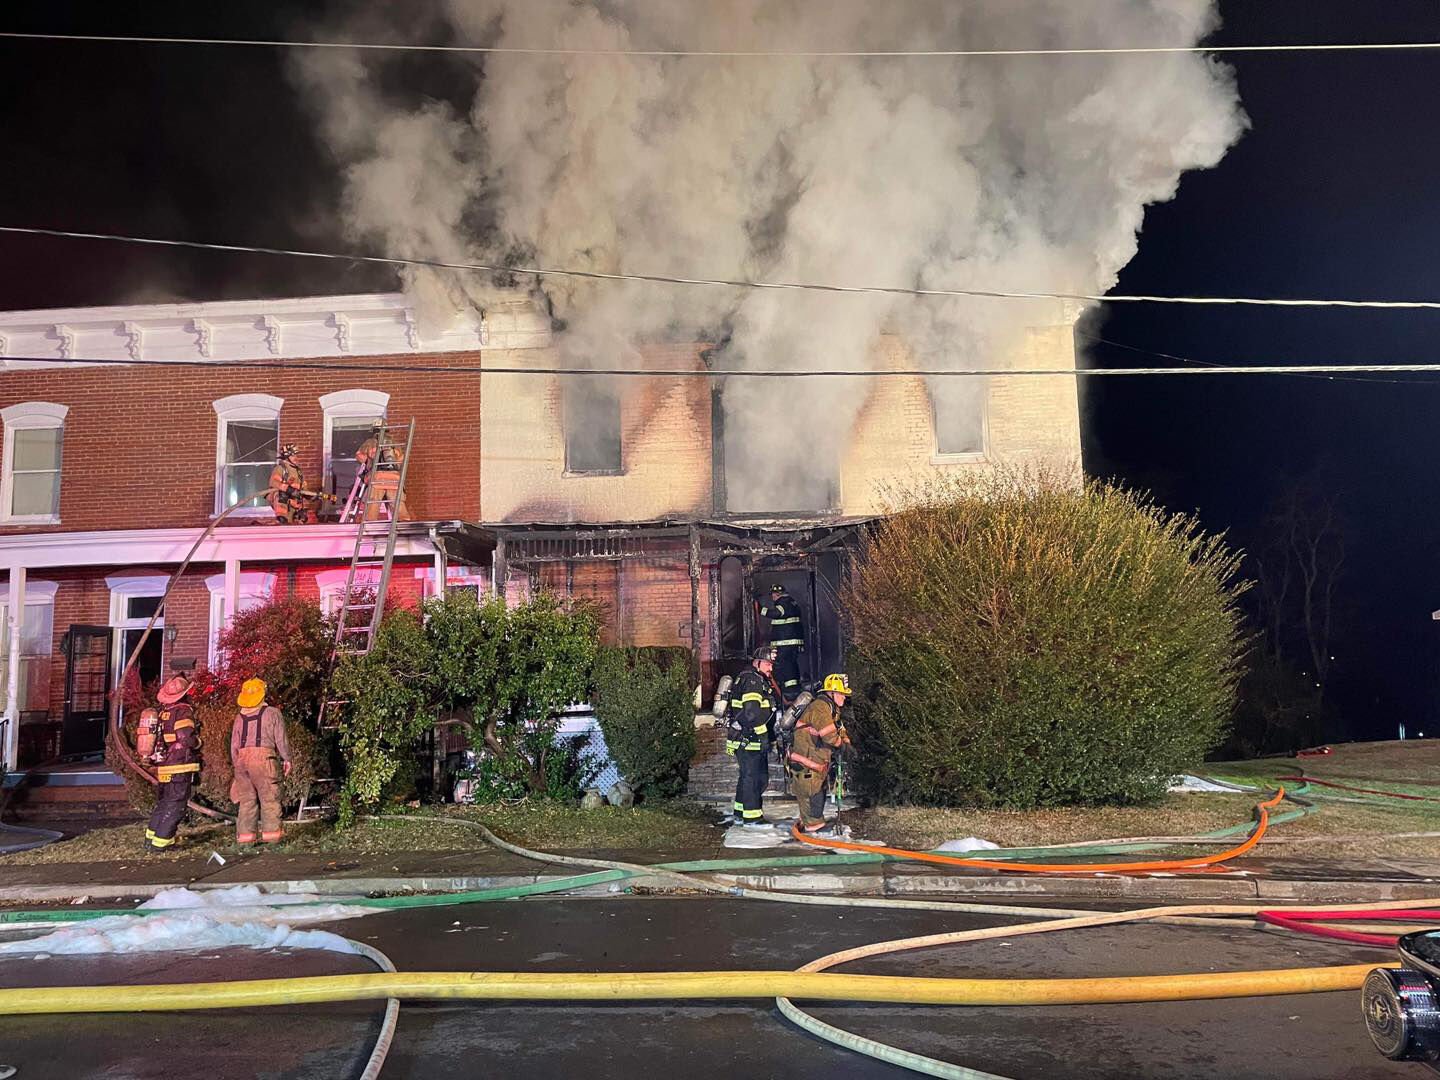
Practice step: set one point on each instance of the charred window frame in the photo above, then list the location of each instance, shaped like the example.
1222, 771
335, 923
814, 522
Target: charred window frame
590, 415
960, 417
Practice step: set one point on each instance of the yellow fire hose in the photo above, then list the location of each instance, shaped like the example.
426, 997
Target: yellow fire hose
675, 986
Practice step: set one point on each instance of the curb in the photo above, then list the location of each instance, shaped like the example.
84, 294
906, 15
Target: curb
903, 885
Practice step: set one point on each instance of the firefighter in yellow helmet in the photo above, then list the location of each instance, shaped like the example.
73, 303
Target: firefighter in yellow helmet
261, 756
819, 736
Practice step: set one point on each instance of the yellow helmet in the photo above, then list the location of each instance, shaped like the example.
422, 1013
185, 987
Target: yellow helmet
251, 694
837, 684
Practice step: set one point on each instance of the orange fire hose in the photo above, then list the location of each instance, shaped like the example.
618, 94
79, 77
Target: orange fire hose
1262, 810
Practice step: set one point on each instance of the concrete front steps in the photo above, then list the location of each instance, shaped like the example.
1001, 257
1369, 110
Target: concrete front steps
713, 772
80, 793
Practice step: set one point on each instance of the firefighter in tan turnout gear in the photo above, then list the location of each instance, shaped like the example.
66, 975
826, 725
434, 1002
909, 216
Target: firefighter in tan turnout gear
819, 736
173, 743
261, 757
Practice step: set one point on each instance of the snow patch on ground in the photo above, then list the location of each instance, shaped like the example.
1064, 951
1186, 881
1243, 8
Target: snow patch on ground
162, 933
1186, 782
214, 919
970, 843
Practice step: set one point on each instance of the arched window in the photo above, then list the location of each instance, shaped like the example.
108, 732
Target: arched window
350, 417
30, 482
247, 445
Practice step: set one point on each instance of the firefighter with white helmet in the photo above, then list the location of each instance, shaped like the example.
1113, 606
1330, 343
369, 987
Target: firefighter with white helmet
819, 736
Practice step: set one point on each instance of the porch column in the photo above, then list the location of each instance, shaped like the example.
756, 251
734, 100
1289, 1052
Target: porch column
439, 589
499, 569
232, 591
11, 747
695, 671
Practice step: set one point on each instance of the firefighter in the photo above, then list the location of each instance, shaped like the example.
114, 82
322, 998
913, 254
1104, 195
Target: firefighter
786, 632
293, 505
176, 757
819, 736
380, 467
261, 756
754, 700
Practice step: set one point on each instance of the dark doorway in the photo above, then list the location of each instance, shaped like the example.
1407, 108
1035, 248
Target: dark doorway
799, 583
87, 690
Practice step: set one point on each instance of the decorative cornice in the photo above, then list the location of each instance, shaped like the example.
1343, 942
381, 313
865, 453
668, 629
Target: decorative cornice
204, 337
135, 343
377, 324
67, 340
271, 326
342, 330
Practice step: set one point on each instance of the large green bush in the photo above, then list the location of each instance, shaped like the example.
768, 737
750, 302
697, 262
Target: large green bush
504, 674
1023, 641
644, 704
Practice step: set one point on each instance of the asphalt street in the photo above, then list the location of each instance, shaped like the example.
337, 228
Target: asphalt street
1315, 1037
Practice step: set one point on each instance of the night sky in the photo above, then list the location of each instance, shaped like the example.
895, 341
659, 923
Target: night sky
1332, 193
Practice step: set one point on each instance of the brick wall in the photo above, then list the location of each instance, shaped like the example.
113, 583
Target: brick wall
665, 444
139, 443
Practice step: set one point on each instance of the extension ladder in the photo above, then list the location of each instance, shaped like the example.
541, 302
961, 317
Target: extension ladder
373, 506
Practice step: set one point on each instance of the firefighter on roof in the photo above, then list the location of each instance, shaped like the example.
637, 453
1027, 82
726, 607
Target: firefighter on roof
293, 505
753, 703
786, 632
819, 736
175, 753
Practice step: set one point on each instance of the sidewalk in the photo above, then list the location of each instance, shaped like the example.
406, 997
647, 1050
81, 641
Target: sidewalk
1244, 881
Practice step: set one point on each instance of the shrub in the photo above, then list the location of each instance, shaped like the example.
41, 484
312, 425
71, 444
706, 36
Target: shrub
393, 702
643, 702
1022, 641
287, 643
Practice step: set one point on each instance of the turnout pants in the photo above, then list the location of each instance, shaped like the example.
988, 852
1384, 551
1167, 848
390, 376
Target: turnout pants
787, 671
809, 788
171, 797
754, 775
256, 789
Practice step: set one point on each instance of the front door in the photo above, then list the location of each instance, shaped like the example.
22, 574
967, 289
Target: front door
87, 690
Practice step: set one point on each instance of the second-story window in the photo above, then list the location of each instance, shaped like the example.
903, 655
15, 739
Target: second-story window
247, 447
958, 409
592, 426
350, 418
30, 485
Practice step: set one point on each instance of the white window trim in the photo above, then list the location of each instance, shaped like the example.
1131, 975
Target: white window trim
331, 583
454, 575
241, 407
344, 404
254, 585
27, 415
38, 594
122, 587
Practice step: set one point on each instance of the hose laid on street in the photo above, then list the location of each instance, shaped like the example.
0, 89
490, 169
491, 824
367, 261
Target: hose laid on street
381, 1049
673, 986
1304, 922
1262, 823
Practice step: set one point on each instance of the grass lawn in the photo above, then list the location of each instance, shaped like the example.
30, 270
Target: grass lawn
1341, 830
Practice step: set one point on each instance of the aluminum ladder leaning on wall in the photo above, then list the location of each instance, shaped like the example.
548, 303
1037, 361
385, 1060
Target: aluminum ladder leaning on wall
374, 505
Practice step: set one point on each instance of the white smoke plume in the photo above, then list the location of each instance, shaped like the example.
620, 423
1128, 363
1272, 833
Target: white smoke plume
1000, 173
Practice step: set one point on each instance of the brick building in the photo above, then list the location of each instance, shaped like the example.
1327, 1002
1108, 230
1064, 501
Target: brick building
126, 430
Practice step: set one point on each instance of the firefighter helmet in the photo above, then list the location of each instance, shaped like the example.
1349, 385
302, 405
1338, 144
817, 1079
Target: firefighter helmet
289, 451
837, 684
765, 652
777, 587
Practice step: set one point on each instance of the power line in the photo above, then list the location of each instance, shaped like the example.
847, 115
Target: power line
741, 373
729, 283
1212, 363
730, 54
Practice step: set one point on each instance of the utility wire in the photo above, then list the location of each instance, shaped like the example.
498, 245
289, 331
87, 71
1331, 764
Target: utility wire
728, 54
739, 373
729, 283
1212, 363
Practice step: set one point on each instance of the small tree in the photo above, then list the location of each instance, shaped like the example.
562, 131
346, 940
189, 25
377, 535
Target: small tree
644, 705
287, 643
1026, 641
